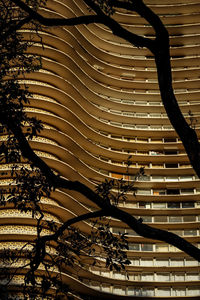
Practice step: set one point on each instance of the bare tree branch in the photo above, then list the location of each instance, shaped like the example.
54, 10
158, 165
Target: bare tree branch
144, 11
57, 21
118, 30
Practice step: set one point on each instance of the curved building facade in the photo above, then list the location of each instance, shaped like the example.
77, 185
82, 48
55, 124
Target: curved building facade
99, 101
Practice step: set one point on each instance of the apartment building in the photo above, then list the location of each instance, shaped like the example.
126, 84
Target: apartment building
99, 100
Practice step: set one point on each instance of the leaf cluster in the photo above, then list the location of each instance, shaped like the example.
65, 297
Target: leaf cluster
113, 191
15, 62
73, 250
106, 6
114, 246
31, 186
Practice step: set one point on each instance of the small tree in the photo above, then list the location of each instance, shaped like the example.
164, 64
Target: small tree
65, 247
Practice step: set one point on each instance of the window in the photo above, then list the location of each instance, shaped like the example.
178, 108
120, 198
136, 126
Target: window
147, 291
176, 262
143, 192
105, 273
141, 139
105, 288
171, 165
189, 218
146, 218
192, 276
119, 290
157, 178
162, 276
171, 178
144, 204
190, 232
146, 247
193, 291
176, 291
134, 276
146, 262
135, 261
135, 247
186, 178
162, 262
169, 140
147, 276
175, 219
155, 140
173, 192
119, 275
131, 204
173, 205
160, 219
158, 192
159, 205
191, 262
142, 126
131, 291
162, 248
163, 292
179, 277
187, 191
155, 153
170, 152
157, 166
188, 204
134, 291
155, 127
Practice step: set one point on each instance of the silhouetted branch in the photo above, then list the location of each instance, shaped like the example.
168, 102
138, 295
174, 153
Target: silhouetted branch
144, 11
57, 21
100, 17
62, 228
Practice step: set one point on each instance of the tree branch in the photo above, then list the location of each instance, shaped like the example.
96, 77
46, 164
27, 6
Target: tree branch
100, 17
144, 11
61, 229
40, 246
57, 21
118, 30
